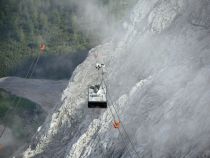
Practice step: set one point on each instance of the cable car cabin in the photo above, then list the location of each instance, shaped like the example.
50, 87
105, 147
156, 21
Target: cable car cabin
97, 96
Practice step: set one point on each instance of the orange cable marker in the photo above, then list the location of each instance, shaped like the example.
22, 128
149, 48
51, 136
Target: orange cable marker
116, 124
42, 47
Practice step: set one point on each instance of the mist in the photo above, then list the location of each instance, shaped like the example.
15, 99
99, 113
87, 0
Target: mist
157, 74
55, 67
165, 72
102, 20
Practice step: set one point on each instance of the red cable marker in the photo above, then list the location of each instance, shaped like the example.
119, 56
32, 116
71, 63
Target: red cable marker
42, 47
116, 124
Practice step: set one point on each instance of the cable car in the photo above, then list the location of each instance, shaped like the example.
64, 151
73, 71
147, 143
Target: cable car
97, 96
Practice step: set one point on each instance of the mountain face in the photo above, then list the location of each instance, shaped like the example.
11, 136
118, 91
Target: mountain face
157, 76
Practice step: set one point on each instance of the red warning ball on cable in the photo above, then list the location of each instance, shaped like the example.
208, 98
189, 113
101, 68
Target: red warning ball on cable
42, 47
116, 124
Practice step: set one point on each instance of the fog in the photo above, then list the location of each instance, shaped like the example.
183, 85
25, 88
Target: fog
157, 74
51, 66
169, 115
102, 20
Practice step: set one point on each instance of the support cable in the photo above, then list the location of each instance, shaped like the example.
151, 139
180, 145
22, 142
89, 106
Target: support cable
112, 103
133, 146
28, 75
112, 114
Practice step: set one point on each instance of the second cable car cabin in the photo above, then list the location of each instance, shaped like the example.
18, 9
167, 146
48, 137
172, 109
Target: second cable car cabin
97, 96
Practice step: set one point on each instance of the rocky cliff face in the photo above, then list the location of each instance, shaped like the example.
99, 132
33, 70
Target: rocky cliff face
157, 75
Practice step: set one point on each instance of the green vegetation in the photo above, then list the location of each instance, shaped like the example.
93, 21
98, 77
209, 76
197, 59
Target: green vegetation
23, 117
24, 24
